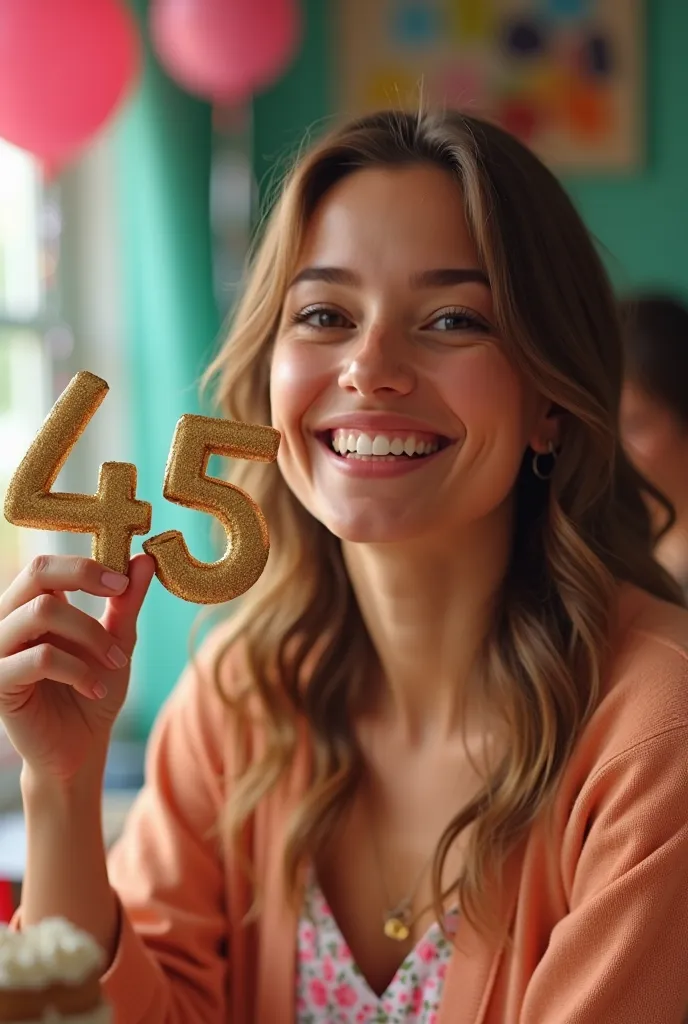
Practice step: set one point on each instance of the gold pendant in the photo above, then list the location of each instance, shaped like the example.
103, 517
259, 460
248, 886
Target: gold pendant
396, 928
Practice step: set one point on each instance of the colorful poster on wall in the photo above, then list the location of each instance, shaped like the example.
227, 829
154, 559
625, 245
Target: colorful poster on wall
565, 76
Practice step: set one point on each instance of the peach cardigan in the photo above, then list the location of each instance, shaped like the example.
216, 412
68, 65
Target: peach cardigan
595, 903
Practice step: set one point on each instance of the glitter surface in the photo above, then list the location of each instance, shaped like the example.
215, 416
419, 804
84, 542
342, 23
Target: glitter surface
113, 515
196, 438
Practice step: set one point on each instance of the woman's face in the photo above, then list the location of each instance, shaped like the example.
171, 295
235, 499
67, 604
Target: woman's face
656, 441
400, 414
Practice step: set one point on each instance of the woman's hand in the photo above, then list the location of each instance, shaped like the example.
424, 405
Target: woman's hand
63, 674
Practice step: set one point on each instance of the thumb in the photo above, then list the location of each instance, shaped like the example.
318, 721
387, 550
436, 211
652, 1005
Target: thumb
121, 612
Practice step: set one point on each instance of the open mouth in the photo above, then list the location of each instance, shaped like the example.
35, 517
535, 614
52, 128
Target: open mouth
353, 444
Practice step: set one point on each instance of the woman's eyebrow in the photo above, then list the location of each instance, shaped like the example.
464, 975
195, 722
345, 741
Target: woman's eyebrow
330, 275
447, 276
440, 278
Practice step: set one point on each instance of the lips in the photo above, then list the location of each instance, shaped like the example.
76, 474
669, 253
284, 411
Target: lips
378, 436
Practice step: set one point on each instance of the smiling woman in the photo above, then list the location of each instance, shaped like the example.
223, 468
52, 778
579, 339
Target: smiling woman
404, 326
445, 735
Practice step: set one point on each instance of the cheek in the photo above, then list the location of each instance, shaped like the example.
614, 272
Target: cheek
487, 395
648, 446
644, 444
296, 379
655, 452
299, 375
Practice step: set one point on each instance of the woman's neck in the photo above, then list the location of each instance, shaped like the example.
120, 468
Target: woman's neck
427, 606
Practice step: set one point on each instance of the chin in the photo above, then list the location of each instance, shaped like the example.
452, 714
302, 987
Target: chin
372, 527
360, 534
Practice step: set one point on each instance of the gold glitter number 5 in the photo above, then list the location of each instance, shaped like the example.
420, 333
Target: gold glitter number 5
196, 438
113, 515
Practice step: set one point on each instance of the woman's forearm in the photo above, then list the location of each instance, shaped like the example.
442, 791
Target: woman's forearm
66, 871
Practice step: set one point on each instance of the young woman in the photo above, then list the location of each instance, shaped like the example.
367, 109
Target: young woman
435, 769
654, 411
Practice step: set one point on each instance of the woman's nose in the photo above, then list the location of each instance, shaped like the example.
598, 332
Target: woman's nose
374, 362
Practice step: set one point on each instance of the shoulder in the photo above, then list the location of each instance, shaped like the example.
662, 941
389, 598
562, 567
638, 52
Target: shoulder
644, 699
647, 679
644, 617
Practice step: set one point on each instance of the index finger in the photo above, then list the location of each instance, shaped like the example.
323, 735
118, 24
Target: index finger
49, 573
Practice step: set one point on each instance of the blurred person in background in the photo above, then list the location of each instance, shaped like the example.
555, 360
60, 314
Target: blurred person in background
434, 769
654, 414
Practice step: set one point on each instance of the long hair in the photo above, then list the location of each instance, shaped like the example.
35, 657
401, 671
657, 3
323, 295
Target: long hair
308, 656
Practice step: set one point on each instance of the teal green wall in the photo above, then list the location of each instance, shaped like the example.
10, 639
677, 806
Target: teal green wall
301, 102
164, 148
641, 219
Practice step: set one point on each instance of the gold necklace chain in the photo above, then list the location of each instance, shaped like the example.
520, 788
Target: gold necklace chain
398, 919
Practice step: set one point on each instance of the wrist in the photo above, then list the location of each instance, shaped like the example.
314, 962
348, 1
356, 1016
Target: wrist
41, 790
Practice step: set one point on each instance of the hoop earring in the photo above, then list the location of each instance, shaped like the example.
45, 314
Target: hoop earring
549, 454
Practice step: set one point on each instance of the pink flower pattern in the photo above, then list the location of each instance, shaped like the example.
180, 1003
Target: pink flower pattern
330, 988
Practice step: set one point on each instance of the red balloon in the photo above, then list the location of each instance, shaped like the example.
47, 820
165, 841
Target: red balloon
224, 50
65, 65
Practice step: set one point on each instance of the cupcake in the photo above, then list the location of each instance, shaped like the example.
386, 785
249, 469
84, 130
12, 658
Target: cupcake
50, 974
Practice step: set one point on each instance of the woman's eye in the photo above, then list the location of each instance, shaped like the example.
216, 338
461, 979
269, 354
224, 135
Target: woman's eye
457, 321
321, 318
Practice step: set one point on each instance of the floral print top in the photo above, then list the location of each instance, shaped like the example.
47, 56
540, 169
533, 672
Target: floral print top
331, 989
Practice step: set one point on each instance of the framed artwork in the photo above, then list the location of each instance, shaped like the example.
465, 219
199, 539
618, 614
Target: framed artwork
565, 76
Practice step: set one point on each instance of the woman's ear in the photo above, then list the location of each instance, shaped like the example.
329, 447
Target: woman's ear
547, 432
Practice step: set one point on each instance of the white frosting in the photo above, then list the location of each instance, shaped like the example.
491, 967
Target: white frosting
103, 1015
51, 952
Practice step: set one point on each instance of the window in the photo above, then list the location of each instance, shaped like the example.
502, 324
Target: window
29, 250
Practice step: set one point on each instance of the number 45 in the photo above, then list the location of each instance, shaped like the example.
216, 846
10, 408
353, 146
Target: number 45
114, 515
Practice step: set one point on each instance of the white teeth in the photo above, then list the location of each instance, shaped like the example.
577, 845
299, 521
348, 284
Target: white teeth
383, 446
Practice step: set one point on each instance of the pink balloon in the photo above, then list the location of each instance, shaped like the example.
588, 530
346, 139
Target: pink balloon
224, 50
65, 65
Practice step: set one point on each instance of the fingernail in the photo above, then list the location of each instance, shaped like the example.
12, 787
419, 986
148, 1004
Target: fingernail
116, 581
100, 690
117, 657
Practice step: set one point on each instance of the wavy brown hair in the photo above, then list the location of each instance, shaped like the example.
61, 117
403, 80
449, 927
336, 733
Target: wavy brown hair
309, 658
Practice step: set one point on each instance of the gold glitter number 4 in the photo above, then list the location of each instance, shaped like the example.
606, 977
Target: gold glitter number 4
114, 515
